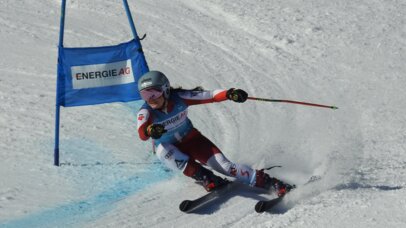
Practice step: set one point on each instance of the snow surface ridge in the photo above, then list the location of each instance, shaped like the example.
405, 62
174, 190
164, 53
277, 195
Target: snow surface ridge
75, 213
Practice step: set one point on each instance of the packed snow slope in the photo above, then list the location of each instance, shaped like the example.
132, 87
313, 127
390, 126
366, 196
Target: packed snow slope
346, 53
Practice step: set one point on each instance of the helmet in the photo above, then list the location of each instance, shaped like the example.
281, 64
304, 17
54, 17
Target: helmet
156, 80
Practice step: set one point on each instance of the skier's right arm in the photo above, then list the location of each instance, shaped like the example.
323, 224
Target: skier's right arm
146, 127
144, 119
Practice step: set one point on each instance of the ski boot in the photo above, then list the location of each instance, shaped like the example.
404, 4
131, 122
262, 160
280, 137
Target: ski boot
208, 179
263, 180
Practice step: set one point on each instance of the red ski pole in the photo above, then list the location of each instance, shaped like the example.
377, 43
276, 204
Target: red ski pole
292, 102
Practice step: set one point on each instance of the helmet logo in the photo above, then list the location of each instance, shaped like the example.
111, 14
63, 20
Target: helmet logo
145, 84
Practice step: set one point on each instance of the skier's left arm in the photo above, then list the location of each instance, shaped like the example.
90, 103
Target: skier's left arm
192, 97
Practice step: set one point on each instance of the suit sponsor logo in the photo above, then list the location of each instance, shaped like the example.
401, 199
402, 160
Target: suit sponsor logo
169, 154
180, 163
175, 120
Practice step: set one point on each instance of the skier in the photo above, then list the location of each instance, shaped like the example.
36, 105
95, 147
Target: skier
180, 146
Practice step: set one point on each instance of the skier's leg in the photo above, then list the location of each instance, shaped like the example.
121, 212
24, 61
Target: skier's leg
247, 175
202, 149
242, 173
174, 159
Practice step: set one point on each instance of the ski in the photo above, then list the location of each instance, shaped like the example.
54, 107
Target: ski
265, 205
190, 205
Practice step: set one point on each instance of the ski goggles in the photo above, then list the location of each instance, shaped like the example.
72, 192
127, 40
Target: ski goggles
148, 94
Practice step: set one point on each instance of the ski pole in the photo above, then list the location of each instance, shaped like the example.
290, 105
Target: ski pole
292, 102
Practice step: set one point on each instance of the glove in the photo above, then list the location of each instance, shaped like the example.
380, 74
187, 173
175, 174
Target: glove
237, 95
155, 131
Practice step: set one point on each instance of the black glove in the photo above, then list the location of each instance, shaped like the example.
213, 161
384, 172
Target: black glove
237, 95
155, 131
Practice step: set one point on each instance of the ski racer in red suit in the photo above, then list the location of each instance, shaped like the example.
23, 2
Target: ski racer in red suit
163, 117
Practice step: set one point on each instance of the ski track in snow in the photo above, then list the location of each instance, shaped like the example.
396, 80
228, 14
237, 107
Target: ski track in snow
349, 54
88, 209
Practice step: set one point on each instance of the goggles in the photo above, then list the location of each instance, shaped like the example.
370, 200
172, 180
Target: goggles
148, 94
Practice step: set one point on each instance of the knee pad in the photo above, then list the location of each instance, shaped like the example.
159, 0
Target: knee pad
171, 156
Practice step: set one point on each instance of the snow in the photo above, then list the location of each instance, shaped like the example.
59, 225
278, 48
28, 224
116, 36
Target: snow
347, 53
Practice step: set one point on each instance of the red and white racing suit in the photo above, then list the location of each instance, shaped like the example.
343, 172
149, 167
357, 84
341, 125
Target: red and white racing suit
183, 145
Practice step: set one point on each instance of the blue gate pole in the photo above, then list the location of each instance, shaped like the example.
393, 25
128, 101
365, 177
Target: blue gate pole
130, 19
136, 38
58, 107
